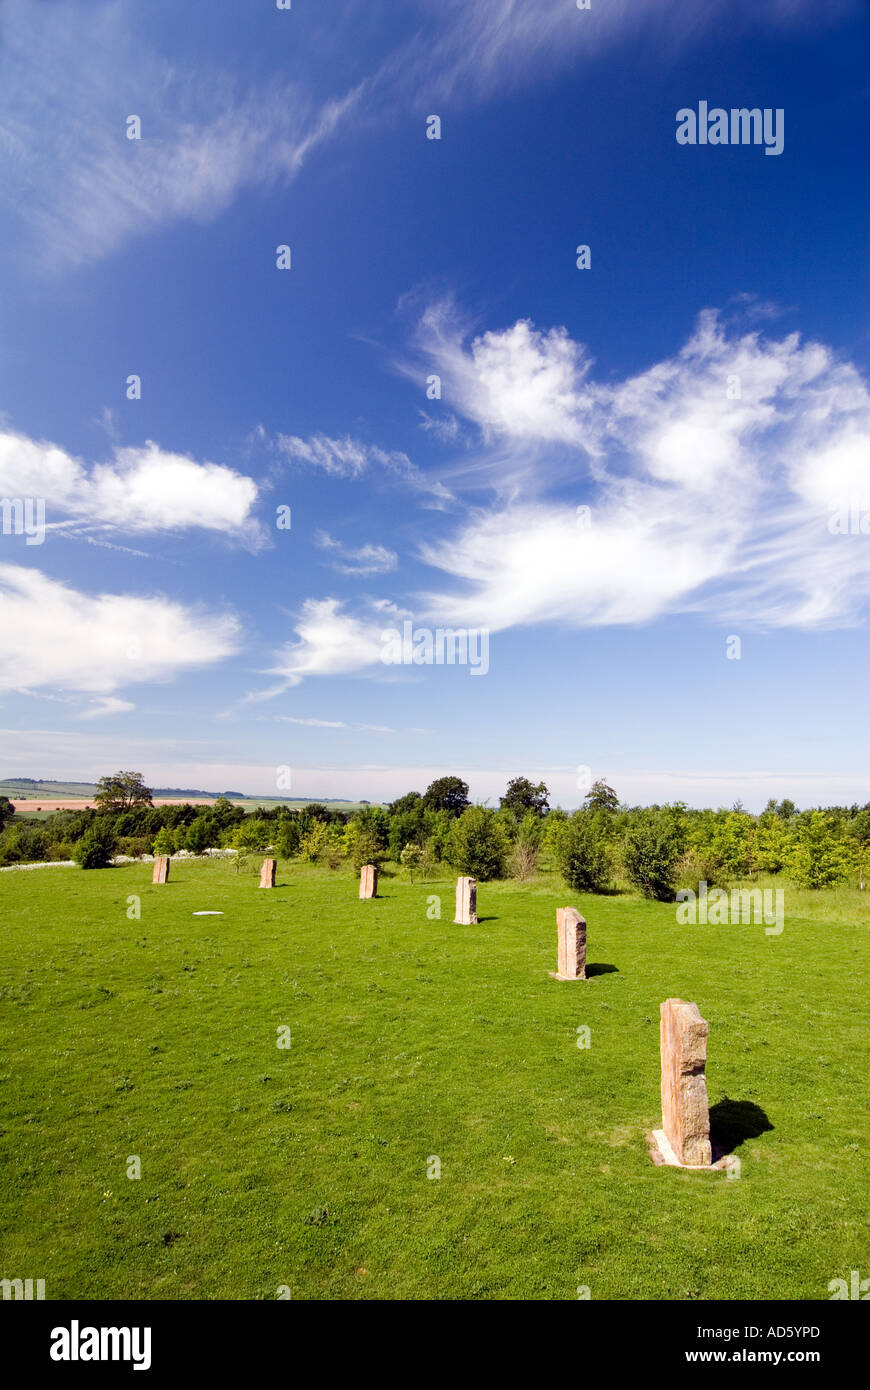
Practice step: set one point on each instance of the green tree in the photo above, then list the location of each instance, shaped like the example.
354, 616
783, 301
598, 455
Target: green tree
164, 842
122, 791
253, 833
820, 858
601, 797
7, 811
652, 847
859, 830
522, 796
477, 844
447, 794
411, 859
96, 848
583, 853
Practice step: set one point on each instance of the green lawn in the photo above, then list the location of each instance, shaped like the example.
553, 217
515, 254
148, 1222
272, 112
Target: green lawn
412, 1038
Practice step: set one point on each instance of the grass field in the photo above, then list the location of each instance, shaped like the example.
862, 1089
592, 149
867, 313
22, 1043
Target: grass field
412, 1038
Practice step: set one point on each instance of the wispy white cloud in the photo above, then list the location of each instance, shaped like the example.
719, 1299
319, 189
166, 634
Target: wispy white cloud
704, 484
68, 81
366, 559
351, 458
57, 637
143, 489
109, 704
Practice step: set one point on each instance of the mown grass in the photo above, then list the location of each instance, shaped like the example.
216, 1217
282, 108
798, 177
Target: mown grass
413, 1038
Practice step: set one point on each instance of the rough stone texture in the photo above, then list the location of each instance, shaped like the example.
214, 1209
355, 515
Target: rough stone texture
572, 944
685, 1112
466, 902
161, 869
368, 881
268, 872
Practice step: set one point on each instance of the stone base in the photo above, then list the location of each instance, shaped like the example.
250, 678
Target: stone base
554, 975
662, 1155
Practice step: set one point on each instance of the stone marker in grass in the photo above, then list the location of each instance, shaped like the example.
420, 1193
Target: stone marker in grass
466, 902
368, 881
161, 869
571, 928
684, 1138
267, 873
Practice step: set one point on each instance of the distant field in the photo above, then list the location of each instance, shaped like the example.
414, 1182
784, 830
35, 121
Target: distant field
412, 1040
38, 807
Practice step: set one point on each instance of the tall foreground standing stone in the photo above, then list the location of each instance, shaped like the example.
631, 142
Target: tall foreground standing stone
466, 902
572, 944
685, 1113
368, 881
267, 873
161, 869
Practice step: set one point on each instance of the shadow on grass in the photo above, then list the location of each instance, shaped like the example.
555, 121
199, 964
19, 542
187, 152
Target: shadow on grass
601, 970
732, 1122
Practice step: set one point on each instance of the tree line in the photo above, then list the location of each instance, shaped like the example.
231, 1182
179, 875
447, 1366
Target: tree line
605, 843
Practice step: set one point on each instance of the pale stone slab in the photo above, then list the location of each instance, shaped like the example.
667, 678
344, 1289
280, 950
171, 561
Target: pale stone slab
267, 873
571, 928
466, 902
368, 881
161, 869
685, 1110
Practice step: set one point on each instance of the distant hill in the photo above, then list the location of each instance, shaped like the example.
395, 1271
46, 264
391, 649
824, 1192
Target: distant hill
32, 788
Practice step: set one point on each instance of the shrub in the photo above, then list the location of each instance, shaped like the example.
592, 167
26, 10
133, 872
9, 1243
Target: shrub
411, 859
367, 849
23, 844
820, 859
96, 848
583, 854
652, 847
477, 844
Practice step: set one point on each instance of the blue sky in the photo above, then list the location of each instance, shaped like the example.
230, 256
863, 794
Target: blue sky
701, 389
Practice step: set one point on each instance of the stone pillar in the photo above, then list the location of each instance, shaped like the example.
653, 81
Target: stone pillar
466, 902
368, 881
572, 944
161, 869
267, 873
685, 1112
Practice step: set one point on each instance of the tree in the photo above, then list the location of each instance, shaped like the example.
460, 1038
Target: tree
859, 829
527, 846
96, 848
252, 833
820, 859
522, 796
653, 844
367, 849
164, 842
122, 791
583, 854
447, 794
201, 834
477, 844
411, 859
601, 797
7, 811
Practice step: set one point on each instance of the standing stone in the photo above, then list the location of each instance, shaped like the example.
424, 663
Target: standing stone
267, 873
572, 944
466, 902
161, 869
368, 881
685, 1112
